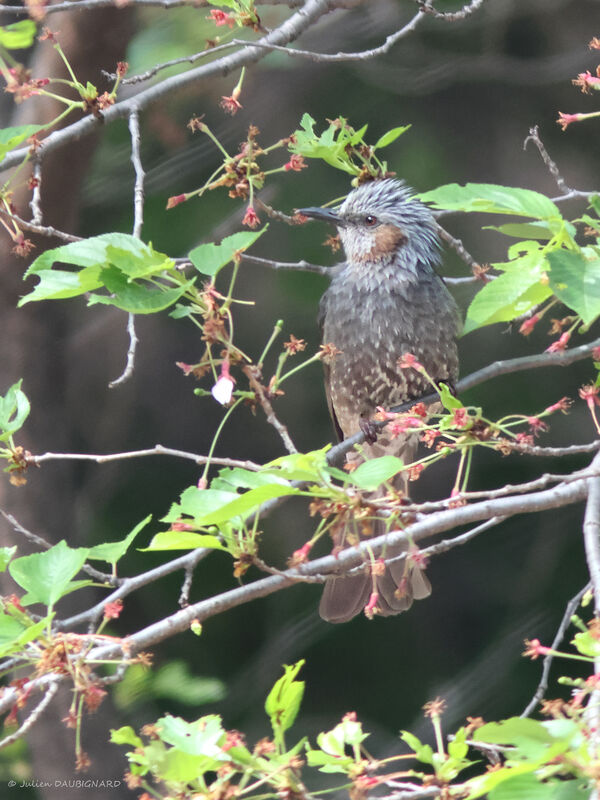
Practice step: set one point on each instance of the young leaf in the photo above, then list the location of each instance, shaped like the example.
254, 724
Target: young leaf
58, 284
210, 258
125, 735
575, 280
299, 466
14, 634
133, 297
196, 502
199, 738
491, 199
18, 35
449, 401
390, 136
372, 473
111, 260
174, 681
6, 553
14, 410
111, 552
423, 752
183, 540
508, 296
46, 576
245, 503
11, 137
283, 702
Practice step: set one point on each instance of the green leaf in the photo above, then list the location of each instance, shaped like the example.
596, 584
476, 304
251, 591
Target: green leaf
457, 747
111, 552
125, 735
522, 787
18, 35
11, 137
210, 258
530, 736
330, 146
449, 401
57, 284
174, 681
46, 576
196, 502
92, 252
586, 644
328, 763
245, 504
491, 199
348, 733
213, 506
202, 737
111, 260
423, 752
239, 478
14, 635
390, 136
183, 540
509, 295
575, 280
179, 767
14, 410
133, 297
283, 702
301, 466
523, 230
372, 473
233, 4
6, 553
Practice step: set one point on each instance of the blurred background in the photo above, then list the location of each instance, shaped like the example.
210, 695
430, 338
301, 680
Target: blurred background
471, 90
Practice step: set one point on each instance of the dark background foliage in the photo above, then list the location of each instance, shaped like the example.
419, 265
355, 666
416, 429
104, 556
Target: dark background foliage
471, 91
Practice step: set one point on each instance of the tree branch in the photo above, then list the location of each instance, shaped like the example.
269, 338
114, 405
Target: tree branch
556, 642
289, 30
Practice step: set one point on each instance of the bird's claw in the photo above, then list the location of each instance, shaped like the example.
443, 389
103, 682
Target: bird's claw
369, 430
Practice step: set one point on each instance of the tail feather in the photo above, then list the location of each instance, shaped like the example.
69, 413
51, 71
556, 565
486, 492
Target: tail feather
345, 596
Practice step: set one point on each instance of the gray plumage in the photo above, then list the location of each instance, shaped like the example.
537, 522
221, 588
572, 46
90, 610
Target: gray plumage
384, 301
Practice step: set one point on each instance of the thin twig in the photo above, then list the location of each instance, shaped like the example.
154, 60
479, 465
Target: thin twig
42, 230
302, 266
261, 395
157, 450
458, 246
102, 577
449, 544
131, 350
136, 160
33, 716
547, 662
534, 136
35, 202
138, 221
591, 534
451, 16
129, 585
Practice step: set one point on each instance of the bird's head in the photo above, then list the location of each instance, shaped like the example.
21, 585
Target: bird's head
381, 224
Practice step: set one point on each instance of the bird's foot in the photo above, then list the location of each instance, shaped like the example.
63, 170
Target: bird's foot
370, 430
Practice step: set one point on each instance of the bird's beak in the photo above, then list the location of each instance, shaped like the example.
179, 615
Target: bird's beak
326, 214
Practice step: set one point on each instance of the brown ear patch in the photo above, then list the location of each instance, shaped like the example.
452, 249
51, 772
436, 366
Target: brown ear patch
388, 238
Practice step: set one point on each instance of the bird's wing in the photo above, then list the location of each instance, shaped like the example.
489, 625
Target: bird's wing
326, 372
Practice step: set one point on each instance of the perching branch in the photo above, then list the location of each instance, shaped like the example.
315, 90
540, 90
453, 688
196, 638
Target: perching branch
591, 534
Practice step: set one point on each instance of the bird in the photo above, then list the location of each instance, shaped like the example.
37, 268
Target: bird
385, 300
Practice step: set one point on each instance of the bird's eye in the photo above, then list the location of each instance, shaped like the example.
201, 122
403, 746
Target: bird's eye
370, 220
